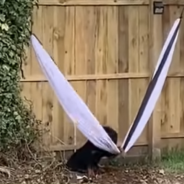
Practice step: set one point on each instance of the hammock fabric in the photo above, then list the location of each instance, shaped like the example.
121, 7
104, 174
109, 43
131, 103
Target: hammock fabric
154, 89
80, 114
73, 105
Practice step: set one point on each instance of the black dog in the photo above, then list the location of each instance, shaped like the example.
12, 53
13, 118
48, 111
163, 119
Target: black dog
86, 158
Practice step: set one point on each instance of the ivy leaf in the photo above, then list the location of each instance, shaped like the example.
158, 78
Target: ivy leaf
6, 67
11, 54
18, 118
4, 27
2, 2
15, 113
2, 17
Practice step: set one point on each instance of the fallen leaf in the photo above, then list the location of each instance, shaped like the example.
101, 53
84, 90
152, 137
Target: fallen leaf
6, 171
161, 171
143, 181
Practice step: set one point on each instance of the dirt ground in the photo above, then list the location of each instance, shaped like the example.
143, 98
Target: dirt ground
52, 171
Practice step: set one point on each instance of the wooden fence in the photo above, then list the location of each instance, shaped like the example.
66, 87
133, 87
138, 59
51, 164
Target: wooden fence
107, 49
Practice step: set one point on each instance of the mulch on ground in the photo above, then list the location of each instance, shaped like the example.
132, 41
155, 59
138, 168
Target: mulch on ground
51, 171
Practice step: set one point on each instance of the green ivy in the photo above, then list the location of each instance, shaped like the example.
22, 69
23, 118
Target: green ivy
17, 122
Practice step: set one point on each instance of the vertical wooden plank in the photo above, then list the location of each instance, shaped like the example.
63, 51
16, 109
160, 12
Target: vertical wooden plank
174, 91
47, 114
112, 40
69, 64
133, 56
182, 80
69, 40
25, 86
133, 24
166, 22
83, 27
32, 67
91, 26
100, 64
36, 87
112, 66
174, 13
163, 106
101, 101
143, 60
58, 56
164, 101
35, 92
123, 64
182, 105
173, 84
48, 94
91, 95
37, 29
155, 42
182, 47
101, 41
143, 39
173, 106
112, 104
80, 88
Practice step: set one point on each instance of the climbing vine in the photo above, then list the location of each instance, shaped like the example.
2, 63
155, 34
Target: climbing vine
17, 122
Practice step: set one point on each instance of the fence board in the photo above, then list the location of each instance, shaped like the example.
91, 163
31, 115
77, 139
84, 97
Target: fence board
107, 55
123, 92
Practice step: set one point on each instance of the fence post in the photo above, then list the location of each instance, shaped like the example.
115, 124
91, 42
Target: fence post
155, 46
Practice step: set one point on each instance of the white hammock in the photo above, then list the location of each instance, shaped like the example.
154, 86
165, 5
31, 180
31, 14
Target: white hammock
78, 111
154, 89
73, 105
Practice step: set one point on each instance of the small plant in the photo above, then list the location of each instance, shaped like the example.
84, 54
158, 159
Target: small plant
172, 160
17, 122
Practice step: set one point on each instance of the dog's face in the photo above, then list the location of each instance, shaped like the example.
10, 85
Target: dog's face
112, 133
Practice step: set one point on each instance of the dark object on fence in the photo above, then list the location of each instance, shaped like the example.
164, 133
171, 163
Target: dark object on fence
158, 7
86, 158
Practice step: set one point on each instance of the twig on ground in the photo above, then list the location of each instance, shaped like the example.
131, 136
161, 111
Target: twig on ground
30, 152
49, 166
62, 142
6, 171
60, 163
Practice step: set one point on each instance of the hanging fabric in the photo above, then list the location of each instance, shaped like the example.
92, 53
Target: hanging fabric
72, 104
154, 89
